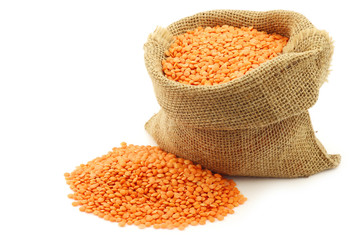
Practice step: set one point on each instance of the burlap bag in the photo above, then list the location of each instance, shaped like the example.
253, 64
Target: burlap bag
256, 125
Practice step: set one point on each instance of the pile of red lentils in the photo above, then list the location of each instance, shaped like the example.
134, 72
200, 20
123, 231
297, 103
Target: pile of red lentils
146, 186
215, 55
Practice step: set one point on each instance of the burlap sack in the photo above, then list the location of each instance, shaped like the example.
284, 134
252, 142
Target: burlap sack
256, 125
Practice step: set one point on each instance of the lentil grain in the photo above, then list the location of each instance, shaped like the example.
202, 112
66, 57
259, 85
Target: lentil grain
177, 194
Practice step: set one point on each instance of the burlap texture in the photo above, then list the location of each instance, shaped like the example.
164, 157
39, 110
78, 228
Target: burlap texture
256, 125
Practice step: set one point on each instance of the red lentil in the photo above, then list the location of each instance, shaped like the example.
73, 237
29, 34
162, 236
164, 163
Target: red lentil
215, 55
125, 186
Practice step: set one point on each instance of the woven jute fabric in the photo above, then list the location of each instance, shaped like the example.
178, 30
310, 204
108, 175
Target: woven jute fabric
258, 124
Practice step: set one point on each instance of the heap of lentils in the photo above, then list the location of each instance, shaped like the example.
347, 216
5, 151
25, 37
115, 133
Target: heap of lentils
215, 55
146, 186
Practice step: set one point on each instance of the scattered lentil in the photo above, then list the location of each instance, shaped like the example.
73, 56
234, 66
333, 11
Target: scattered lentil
125, 186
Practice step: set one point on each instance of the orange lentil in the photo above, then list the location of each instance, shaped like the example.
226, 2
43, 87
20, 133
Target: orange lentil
194, 223
122, 224
220, 217
181, 227
142, 226
211, 219
215, 55
146, 186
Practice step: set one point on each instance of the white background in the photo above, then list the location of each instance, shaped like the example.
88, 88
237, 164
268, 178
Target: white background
73, 84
